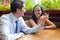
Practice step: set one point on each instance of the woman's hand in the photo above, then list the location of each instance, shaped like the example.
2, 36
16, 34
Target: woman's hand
42, 20
46, 15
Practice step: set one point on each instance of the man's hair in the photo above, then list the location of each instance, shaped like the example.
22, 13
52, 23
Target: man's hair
15, 5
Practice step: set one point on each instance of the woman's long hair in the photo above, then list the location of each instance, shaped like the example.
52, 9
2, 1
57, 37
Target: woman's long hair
33, 15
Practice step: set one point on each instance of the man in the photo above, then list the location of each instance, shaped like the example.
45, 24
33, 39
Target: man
8, 25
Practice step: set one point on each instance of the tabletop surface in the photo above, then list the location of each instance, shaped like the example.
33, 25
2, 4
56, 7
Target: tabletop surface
44, 34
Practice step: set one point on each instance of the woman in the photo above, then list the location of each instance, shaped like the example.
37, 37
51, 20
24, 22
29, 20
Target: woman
39, 17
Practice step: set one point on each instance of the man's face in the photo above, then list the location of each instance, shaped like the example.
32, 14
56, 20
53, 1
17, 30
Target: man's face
22, 11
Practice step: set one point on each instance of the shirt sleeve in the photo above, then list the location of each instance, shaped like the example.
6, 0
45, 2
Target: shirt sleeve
27, 29
5, 30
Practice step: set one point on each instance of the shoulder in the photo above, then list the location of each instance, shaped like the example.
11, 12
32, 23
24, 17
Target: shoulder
5, 18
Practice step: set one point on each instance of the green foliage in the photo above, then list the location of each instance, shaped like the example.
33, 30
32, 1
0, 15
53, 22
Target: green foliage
7, 7
50, 5
3, 8
2, 0
58, 4
29, 5
46, 4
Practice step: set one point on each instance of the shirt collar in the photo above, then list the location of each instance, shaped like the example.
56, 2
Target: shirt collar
13, 17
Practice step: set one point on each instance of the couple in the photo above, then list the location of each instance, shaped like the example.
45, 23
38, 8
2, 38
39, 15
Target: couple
12, 25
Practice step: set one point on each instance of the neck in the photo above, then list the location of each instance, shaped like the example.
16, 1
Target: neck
38, 18
16, 15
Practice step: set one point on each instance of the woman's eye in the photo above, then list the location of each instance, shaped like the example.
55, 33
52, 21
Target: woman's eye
37, 10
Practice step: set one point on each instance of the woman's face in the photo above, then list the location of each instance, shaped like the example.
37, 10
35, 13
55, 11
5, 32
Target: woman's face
37, 11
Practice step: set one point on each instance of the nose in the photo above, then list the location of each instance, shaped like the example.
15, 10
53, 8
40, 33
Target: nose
24, 10
37, 12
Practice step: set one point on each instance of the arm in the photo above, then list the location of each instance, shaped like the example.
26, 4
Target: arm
50, 24
27, 29
5, 30
32, 22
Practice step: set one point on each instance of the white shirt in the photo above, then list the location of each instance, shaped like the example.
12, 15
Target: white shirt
8, 27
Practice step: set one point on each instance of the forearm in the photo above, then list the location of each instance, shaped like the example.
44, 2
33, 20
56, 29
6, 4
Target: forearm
33, 30
51, 26
11, 36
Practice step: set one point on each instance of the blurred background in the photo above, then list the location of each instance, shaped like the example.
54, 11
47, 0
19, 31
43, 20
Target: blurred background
50, 6
46, 4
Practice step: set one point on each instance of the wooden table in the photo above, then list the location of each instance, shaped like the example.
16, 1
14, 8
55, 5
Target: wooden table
44, 34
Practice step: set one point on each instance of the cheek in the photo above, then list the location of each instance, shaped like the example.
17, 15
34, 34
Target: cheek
23, 10
37, 15
40, 13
